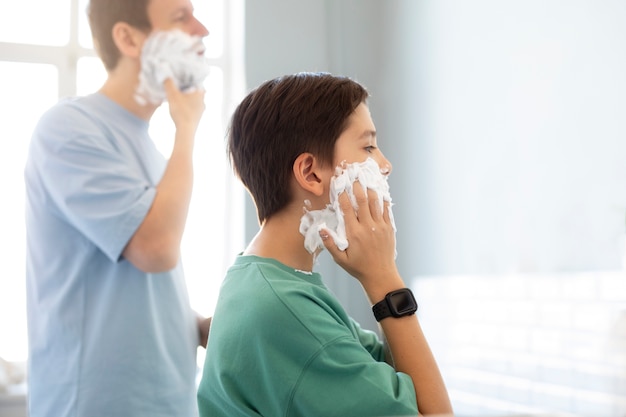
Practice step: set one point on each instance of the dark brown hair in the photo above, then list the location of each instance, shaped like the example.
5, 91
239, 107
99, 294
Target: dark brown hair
104, 14
281, 119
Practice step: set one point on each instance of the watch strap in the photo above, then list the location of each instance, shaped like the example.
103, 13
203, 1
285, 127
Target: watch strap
381, 310
398, 303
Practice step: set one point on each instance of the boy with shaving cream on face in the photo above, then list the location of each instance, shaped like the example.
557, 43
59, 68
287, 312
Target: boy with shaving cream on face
111, 331
281, 344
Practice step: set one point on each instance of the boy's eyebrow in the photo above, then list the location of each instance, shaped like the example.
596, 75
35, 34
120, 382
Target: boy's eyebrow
368, 134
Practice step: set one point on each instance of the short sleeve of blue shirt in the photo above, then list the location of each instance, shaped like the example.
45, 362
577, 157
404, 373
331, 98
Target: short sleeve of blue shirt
89, 176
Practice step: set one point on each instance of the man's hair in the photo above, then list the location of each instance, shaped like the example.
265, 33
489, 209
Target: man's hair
281, 119
104, 14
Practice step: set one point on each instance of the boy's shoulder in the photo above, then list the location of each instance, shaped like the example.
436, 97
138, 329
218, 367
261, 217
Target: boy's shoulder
265, 292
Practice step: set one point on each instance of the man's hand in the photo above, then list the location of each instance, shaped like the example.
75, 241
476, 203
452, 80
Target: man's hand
204, 325
185, 108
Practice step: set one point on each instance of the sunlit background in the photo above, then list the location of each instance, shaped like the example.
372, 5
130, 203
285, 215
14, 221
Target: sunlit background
52, 57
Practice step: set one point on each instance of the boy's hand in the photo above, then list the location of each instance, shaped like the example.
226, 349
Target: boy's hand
185, 108
370, 256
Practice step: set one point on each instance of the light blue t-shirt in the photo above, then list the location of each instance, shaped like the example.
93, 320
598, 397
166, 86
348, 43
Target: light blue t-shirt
105, 339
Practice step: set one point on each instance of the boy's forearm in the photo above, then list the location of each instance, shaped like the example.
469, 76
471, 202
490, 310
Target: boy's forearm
411, 354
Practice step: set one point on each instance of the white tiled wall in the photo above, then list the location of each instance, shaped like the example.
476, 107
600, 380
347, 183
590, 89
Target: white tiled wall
529, 343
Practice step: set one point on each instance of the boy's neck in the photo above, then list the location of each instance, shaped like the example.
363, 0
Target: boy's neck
280, 239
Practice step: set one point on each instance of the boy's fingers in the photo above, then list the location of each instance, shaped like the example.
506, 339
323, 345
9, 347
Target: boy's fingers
386, 214
360, 195
329, 243
345, 205
374, 206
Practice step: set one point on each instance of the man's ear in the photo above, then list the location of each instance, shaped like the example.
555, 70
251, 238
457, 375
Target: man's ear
129, 40
308, 173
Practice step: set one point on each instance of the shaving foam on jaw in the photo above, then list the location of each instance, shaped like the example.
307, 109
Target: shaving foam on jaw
369, 175
170, 54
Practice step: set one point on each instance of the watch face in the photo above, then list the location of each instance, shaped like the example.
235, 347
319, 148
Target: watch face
402, 302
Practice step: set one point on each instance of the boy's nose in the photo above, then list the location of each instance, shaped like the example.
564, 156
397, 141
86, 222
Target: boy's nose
385, 165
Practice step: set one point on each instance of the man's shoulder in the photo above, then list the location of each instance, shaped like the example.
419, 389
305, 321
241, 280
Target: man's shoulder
74, 118
67, 113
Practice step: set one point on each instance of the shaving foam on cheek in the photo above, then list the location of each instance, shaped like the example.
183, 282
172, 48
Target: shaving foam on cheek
369, 175
170, 54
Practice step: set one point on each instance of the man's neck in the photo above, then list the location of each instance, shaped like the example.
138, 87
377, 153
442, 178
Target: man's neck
120, 87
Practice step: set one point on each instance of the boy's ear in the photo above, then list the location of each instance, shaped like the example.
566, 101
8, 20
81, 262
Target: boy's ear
128, 39
308, 174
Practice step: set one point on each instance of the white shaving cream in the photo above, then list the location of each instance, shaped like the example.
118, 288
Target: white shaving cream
370, 176
170, 54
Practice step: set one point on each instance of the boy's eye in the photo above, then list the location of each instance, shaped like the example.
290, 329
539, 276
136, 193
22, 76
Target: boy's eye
370, 149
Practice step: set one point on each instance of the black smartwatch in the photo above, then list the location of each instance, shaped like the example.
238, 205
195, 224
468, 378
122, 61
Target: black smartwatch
397, 303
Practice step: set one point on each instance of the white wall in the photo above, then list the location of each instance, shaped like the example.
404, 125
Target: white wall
504, 121
524, 111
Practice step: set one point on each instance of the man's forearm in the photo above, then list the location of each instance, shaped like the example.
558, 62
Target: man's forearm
155, 247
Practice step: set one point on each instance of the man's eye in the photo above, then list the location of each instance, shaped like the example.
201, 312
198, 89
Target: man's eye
181, 18
370, 149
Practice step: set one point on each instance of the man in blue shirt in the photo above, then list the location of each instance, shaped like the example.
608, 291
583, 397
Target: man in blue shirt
111, 331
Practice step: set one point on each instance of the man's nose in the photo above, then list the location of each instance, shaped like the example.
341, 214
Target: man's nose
200, 29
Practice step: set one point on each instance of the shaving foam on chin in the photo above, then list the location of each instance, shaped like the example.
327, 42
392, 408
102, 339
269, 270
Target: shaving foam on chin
170, 54
370, 176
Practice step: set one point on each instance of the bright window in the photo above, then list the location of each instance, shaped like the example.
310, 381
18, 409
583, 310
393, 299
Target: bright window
40, 66
51, 18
